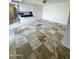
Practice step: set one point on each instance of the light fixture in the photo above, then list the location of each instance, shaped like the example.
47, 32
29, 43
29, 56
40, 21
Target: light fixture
44, 1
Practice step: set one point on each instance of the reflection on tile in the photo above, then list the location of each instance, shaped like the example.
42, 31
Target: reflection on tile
20, 41
33, 41
43, 53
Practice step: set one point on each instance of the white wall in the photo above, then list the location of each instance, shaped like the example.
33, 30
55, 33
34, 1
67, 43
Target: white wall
37, 11
56, 12
25, 7
67, 35
38, 2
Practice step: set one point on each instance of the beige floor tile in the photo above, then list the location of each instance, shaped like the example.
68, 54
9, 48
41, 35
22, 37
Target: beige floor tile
33, 41
42, 53
32, 56
24, 51
50, 44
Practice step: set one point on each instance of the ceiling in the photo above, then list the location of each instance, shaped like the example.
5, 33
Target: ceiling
41, 1
57, 0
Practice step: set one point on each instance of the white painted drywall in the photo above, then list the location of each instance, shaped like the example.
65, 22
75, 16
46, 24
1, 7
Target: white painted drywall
57, 12
25, 7
38, 2
67, 35
37, 11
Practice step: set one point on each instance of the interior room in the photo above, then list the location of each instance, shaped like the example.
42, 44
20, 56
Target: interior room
39, 29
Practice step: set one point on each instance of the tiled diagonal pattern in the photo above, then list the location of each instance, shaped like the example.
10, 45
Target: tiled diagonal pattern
43, 40
42, 52
33, 41
24, 51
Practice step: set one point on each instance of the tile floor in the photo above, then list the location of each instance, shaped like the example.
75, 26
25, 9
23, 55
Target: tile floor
39, 40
